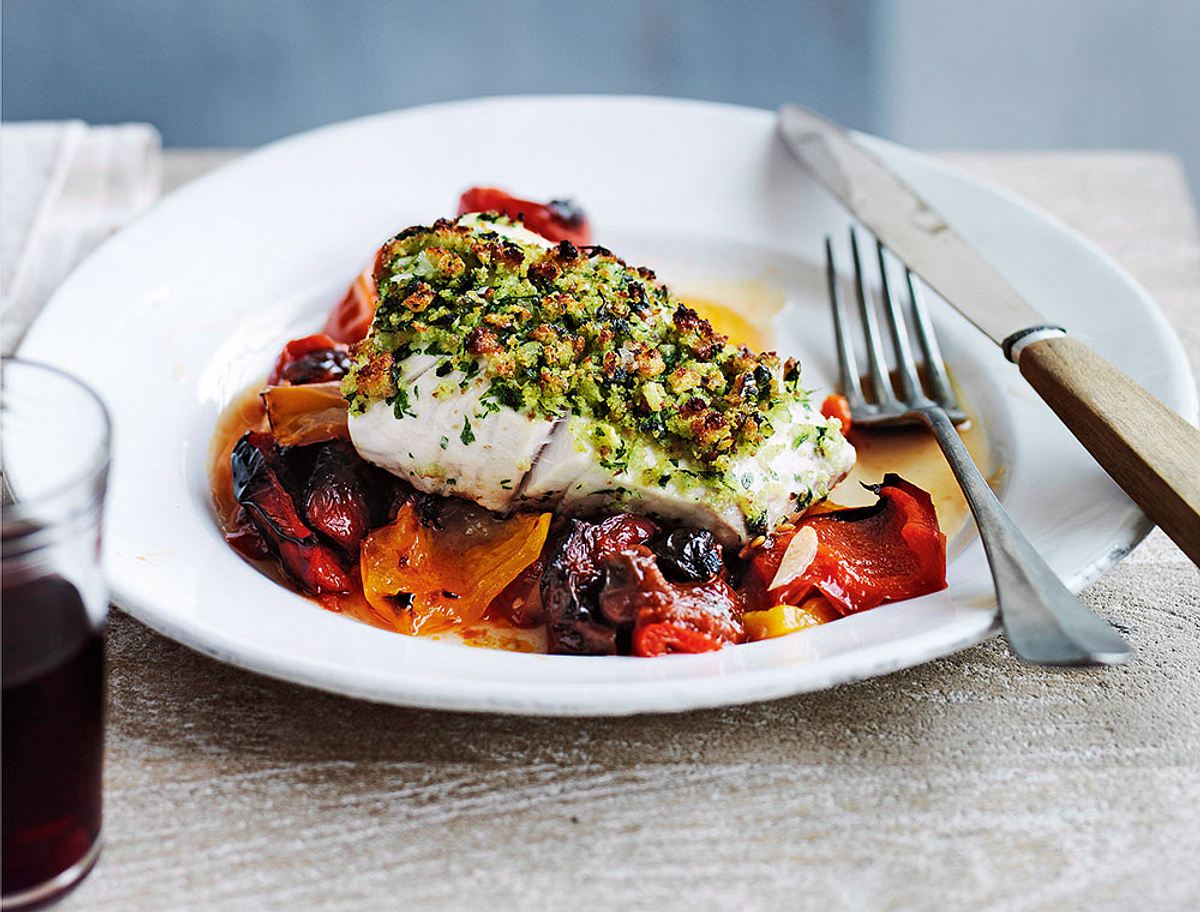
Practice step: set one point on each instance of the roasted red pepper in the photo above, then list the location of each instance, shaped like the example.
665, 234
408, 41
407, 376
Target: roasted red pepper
259, 487
310, 359
665, 638
335, 501
864, 556
557, 220
668, 616
351, 320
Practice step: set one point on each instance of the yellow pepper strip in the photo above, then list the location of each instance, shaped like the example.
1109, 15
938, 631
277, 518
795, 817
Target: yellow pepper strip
784, 619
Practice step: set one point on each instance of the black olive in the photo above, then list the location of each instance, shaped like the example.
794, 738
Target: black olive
567, 211
320, 366
688, 555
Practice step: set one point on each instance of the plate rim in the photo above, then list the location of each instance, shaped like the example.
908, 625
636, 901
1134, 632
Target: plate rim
660, 698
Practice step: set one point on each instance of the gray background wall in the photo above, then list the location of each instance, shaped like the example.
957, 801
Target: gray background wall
959, 73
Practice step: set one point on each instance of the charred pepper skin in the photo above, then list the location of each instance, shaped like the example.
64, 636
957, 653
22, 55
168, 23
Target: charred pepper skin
258, 486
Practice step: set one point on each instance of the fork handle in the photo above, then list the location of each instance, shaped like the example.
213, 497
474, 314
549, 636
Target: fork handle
1148, 450
1044, 622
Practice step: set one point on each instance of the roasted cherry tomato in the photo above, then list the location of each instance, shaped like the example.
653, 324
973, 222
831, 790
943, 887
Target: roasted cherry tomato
521, 600
557, 220
836, 406
351, 320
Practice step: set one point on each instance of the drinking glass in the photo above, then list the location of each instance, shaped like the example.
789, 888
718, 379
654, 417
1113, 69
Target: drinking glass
54, 453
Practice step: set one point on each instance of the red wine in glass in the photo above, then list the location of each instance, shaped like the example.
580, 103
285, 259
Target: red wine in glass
53, 708
54, 458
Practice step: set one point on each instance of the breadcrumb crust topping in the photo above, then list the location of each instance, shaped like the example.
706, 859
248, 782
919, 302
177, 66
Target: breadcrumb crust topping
565, 330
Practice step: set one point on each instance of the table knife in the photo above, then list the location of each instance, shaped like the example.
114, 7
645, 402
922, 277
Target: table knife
1149, 450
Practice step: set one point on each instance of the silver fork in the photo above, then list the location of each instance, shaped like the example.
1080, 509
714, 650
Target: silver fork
1045, 624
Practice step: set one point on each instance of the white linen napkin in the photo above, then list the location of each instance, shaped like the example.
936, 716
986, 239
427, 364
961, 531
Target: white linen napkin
64, 187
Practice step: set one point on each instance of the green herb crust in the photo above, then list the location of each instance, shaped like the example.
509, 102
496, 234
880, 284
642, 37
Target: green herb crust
558, 331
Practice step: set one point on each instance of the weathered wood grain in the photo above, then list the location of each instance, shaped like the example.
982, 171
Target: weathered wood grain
972, 782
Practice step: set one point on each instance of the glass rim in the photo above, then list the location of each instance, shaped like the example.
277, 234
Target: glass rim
97, 464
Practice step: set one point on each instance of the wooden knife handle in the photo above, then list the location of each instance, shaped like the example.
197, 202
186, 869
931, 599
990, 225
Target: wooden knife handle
1148, 450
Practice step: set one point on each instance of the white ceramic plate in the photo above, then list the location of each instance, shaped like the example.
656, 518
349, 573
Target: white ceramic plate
170, 318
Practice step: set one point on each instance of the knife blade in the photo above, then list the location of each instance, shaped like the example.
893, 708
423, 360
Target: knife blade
907, 225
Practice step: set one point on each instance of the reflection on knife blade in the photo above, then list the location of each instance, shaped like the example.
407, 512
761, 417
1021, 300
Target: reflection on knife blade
907, 225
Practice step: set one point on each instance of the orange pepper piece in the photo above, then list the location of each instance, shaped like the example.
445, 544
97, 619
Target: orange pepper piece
431, 582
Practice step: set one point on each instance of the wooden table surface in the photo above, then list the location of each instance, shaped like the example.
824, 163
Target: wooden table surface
971, 782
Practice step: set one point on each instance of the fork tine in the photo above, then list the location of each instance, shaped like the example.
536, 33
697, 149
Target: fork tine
910, 381
876, 363
847, 364
939, 380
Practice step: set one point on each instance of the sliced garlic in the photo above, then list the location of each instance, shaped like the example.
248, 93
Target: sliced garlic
801, 551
